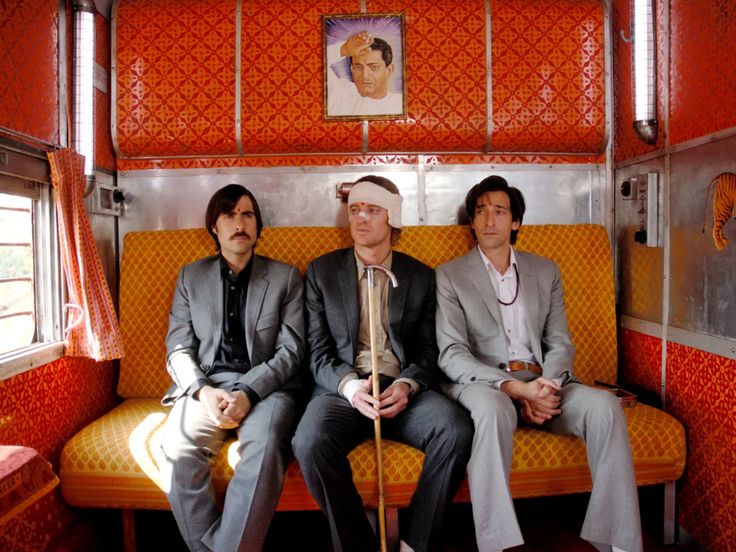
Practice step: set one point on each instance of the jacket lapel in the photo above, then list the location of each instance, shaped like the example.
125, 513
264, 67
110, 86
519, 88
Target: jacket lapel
257, 287
530, 295
478, 274
396, 301
214, 307
348, 280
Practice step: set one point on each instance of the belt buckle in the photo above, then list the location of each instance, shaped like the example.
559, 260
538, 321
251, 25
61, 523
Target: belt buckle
516, 366
522, 365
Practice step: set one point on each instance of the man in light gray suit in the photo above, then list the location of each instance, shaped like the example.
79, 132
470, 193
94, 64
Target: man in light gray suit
234, 347
504, 344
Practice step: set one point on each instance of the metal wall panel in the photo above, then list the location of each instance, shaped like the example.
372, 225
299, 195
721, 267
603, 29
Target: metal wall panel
703, 281
305, 196
553, 195
639, 269
104, 231
170, 199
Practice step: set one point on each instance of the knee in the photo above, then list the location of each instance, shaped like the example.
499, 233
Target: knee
273, 445
604, 413
309, 446
176, 449
174, 444
279, 436
495, 413
455, 433
462, 430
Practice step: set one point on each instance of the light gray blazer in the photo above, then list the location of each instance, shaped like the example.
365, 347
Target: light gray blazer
470, 333
273, 322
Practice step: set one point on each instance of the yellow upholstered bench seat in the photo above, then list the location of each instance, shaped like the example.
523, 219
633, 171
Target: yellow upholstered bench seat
114, 462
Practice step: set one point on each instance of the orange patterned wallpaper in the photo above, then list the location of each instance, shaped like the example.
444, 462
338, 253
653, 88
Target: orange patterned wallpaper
282, 80
626, 143
641, 358
104, 153
548, 68
29, 91
175, 88
338, 160
703, 68
43, 408
176, 77
446, 78
702, 395
702, 99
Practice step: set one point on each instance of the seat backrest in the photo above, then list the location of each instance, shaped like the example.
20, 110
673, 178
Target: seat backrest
151, 261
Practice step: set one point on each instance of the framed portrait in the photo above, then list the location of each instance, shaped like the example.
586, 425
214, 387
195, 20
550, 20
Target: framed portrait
364, 68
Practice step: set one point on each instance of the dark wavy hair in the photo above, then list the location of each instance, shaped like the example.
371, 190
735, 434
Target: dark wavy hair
495, 183
223, 201
387, 54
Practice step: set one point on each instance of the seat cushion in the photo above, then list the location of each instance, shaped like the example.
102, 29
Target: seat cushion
114, 462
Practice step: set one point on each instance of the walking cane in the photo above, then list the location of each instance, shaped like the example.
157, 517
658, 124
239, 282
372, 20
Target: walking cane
376, 393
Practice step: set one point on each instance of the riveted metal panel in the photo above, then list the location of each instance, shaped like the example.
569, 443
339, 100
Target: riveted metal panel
703, 280
305, 196
640, 269
568, 194
162, 200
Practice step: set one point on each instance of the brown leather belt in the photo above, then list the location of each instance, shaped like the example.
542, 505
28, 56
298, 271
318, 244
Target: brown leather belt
519, 365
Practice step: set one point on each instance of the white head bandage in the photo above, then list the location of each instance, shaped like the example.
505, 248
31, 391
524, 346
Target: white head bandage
368, 192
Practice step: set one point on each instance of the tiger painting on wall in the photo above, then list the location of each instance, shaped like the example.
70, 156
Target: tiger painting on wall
724, 206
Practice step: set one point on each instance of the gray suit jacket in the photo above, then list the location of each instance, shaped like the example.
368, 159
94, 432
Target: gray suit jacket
333, 318
273, 322
470, 332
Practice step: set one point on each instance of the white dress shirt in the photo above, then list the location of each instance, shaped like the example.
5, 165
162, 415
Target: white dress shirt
506, 286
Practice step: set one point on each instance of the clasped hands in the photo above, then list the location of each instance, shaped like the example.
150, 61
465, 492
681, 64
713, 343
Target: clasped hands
389, 404
540, 398
224, 408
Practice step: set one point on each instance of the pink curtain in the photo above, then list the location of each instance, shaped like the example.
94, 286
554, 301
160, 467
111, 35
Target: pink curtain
95, 332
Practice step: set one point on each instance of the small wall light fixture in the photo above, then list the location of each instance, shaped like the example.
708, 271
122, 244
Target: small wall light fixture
342, 191
83, 82
644, 67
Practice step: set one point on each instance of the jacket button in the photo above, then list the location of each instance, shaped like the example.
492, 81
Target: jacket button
472, 378
502, 366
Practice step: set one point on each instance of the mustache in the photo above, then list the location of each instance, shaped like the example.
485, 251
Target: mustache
240, 235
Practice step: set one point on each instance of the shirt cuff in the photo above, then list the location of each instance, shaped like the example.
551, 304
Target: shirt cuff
346, 378
411, 383
196, 386
499, 382
253, 397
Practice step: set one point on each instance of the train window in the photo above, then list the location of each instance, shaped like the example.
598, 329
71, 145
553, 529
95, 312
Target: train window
30, 282
17, 297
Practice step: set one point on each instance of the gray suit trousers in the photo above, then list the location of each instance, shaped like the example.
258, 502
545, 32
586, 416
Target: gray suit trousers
612, 517
190, 443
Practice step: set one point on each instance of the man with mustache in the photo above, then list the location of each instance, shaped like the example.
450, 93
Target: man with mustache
234, 346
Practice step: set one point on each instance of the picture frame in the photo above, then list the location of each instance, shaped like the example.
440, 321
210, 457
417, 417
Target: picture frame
364, 76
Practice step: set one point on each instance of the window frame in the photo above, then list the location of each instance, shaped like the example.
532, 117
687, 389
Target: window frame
27, 173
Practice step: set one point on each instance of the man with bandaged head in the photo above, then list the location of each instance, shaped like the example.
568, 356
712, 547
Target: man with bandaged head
342, 410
